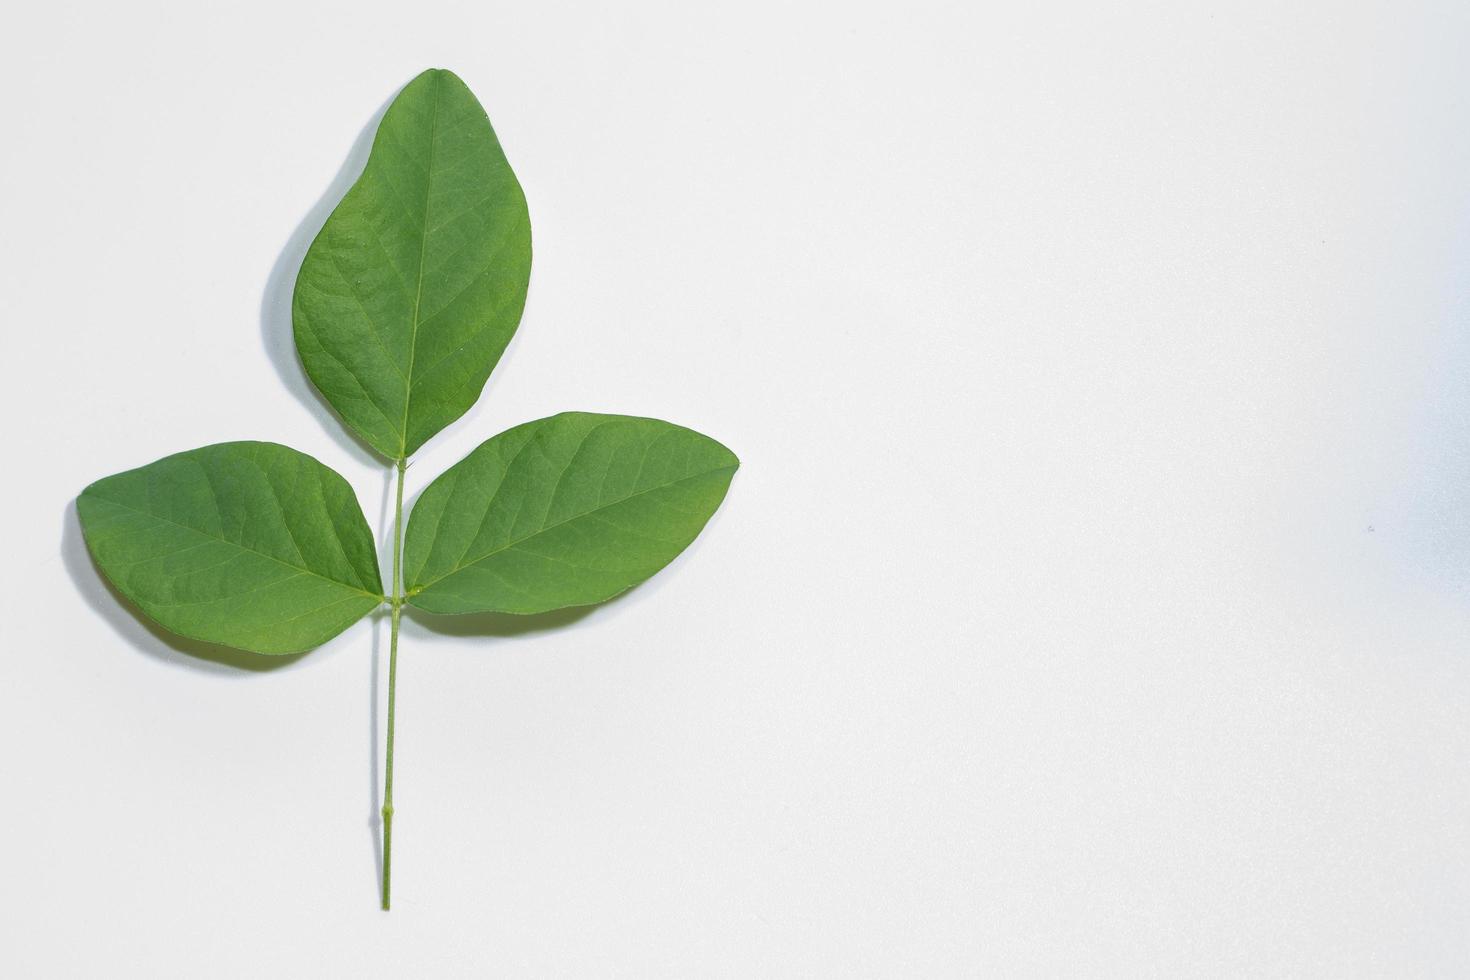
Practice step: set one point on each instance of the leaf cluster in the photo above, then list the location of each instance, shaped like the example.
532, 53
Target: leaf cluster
403, 305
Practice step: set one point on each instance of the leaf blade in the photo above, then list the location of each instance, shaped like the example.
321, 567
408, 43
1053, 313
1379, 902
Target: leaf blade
248, 544
565, 511
415, 285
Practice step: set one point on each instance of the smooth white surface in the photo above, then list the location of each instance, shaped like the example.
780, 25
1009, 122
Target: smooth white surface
1092, 601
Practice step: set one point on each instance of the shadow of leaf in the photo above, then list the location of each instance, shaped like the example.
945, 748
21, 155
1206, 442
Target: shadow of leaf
503, 625
509, 625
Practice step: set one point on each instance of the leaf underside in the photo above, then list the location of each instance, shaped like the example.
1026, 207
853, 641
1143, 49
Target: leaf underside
248, 544
565, 511
415, 284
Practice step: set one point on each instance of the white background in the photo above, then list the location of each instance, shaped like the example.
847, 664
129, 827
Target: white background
1094, 599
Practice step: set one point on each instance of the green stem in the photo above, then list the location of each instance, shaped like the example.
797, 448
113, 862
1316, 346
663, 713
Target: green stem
397, 606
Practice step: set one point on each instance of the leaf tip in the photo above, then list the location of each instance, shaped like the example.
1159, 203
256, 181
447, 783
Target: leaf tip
439, 74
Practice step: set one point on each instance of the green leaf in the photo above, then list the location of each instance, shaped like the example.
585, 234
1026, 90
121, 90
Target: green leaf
410, 293
249, 544
565, 511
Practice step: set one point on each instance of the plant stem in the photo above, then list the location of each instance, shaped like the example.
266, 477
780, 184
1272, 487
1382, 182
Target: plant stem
397, 607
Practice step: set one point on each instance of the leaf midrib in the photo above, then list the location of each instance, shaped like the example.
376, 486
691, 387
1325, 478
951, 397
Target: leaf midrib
413, 336
215, 537
575, 517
